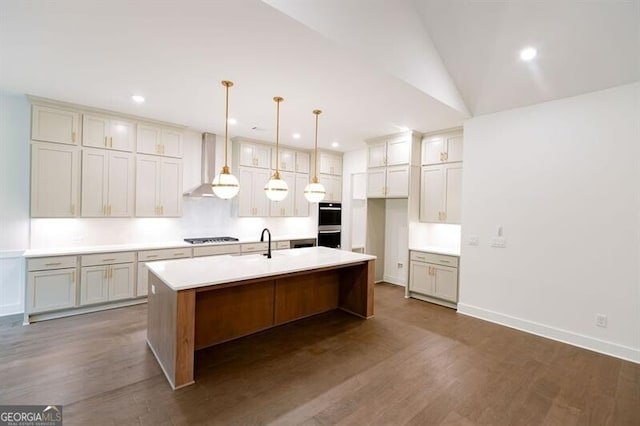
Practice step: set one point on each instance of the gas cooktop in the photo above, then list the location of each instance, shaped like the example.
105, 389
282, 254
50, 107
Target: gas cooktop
204, 240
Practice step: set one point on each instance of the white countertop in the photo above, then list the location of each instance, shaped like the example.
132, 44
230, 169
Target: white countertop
449, 251
67, 251
182, 274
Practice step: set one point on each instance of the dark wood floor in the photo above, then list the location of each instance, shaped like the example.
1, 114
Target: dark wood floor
414, 363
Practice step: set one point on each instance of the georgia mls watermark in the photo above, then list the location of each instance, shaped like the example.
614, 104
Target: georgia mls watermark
30, 415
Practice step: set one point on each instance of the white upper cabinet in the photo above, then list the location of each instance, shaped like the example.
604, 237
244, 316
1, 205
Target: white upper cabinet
441, 191
287, 160
333, 187
285, 207
252, 200
376, 182
55, 180
107, 183
254, 154
377, 155
329, 164
55, 125
301, 205
158, 186
302, 162
440, 149
398, 152
157, 140
100, 131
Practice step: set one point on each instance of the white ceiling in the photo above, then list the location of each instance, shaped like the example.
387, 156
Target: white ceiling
373, 66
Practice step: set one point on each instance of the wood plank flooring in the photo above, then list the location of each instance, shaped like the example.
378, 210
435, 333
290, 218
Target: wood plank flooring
413, 364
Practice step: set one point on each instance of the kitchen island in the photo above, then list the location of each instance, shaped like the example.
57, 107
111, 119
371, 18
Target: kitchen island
199, 302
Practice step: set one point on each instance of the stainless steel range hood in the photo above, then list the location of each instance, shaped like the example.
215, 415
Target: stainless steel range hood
207, 168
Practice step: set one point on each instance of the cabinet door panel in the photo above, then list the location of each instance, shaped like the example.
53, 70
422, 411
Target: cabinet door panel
148, 139
287, 160
377, 155
376, 182
398, 181
431, 196
245, 195
171, 143
246, 155
94, 182
51, 290
142, 283
55, 125
95, 131
259, 200
120, 185
454, 148
337, 186
147, 175
94, 285
121, 135
419, 280
262, 155
171, 187
453, 193
398, 152
302, 162
285, 207
121, 281
432, 147
54, 180
301, 205
445, 283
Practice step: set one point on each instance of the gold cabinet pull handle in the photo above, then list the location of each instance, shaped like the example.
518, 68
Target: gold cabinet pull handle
73, 136
108, 260
53, 264
152, 255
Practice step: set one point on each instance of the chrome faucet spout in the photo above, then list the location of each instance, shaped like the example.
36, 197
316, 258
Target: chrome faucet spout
268, 254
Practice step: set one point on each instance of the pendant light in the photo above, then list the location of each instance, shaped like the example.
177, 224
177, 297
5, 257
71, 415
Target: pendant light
226, 185
314, 192
276, 189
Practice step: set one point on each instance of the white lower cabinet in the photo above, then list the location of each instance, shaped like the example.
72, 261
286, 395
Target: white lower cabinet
104, 278
51, 290
434, 275
151, 256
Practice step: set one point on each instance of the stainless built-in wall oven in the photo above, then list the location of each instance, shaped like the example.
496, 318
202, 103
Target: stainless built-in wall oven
329, 224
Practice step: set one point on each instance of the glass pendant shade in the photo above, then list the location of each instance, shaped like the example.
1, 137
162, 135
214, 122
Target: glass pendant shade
276, 189
225, 185
314, 192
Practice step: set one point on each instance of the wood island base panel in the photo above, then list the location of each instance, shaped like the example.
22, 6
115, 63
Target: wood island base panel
183, 321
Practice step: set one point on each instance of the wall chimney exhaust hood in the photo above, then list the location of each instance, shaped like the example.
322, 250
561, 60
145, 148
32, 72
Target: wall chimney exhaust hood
208, 167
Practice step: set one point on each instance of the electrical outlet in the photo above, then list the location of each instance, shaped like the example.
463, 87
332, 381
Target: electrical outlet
601, 320
474, 240
400, 265
499, 242
153, 289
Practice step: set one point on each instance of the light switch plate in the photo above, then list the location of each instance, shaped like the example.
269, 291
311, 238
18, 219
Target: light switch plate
499, 242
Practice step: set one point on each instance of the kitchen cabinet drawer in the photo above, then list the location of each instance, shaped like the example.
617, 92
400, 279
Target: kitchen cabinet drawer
108, 258
282, 245
438, 259
254, 247
163, 254
216, 250
57, 262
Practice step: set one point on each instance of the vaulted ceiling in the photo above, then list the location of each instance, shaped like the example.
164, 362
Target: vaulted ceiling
374, 67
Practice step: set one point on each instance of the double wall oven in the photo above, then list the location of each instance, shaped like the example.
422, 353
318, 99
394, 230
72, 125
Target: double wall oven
329, 224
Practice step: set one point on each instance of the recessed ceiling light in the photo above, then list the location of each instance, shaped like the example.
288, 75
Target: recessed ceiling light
335, 144
296, 135
528, 53
137, 99
233, 121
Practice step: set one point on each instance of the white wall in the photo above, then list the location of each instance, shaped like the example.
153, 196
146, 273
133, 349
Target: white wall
14, 199
396, 248
563, 179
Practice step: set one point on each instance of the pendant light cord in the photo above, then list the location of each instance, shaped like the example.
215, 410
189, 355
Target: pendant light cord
226, 84
317, 112
278, 99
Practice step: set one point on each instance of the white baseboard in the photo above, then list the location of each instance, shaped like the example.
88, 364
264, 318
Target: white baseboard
553, 333
393, 280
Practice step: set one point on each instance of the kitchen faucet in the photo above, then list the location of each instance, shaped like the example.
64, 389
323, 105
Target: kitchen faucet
268, 254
